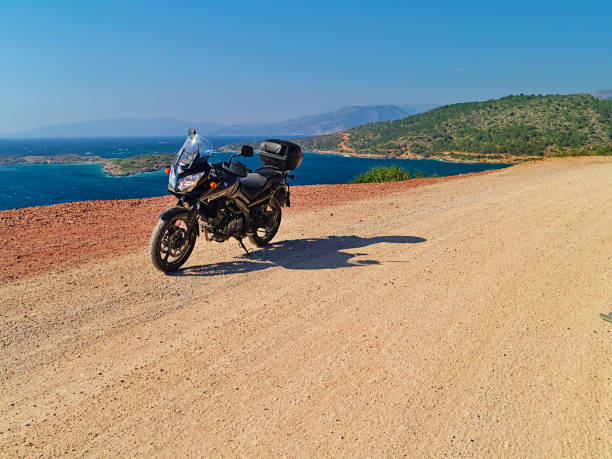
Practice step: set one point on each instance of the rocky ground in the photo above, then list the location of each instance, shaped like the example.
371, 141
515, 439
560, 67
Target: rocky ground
441, 317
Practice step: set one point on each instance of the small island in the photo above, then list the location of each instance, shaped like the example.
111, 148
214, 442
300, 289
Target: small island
137, 164
112, 166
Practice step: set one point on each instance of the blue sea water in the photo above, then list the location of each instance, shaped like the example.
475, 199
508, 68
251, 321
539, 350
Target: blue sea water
43, 184
107, 147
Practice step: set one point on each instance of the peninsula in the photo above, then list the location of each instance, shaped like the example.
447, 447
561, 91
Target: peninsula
512, 129
112, 166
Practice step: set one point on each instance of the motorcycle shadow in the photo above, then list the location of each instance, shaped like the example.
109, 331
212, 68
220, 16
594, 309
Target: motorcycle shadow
300, 254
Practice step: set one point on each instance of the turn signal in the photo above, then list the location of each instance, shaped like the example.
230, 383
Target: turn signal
213, 184
167, 170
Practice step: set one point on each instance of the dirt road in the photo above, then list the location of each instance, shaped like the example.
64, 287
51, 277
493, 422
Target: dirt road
456, 318
343, 145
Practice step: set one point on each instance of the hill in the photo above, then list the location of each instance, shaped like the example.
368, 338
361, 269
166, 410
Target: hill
521, 126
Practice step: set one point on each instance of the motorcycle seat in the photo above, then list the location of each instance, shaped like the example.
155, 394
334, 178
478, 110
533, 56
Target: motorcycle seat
256, 183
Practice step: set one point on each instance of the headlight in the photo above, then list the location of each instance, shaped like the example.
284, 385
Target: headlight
189, 182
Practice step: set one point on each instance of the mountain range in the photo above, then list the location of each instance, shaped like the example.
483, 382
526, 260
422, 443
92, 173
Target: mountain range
324, 123
128, 127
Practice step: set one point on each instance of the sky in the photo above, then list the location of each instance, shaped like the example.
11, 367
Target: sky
243, 61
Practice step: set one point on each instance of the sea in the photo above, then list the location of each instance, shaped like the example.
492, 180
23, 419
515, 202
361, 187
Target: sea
44, 184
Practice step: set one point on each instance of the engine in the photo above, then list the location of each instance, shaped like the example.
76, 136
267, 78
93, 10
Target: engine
234, 227
226, 222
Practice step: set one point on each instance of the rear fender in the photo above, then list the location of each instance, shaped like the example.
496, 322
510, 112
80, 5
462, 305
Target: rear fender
284, 193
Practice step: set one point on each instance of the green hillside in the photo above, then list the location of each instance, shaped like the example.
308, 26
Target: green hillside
514, 125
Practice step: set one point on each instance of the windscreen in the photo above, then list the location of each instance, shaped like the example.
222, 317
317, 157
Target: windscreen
195, 146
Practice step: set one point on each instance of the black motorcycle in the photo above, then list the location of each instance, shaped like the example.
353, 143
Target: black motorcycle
222, 200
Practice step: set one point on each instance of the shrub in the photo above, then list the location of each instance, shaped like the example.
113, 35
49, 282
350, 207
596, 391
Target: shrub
383, 174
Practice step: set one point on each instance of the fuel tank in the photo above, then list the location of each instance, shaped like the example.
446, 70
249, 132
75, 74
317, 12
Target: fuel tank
226, 186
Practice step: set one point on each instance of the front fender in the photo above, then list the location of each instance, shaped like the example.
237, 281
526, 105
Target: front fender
178, 210
172, 212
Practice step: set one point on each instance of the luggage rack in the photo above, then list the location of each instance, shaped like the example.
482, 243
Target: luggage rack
281, 154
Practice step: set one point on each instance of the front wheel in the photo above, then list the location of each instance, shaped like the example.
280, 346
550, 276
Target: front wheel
171, 243
264, 234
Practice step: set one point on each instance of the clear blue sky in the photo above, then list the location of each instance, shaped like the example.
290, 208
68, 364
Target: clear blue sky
239, 61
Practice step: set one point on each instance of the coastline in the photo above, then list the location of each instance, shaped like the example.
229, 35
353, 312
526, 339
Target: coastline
153, 162
447, 157
71, 181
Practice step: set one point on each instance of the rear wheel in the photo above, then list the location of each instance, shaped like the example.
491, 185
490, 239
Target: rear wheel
171, 243
264, 234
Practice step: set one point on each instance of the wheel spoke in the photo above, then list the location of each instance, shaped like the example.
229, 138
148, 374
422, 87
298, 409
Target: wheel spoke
174, 235
171, 244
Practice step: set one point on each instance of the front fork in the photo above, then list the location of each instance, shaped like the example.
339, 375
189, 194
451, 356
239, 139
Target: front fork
192, 221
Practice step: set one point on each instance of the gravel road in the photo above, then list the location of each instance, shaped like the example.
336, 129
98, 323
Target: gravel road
458, 317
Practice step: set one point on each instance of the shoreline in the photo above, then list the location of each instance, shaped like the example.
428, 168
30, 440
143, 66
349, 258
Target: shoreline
154, 162
447, 158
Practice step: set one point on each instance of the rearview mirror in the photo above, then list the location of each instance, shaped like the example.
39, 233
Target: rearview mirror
246, 151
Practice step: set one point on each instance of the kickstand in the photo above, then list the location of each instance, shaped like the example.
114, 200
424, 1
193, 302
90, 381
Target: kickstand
245, 249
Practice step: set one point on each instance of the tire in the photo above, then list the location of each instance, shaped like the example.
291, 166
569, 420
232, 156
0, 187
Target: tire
267, 232
171, 243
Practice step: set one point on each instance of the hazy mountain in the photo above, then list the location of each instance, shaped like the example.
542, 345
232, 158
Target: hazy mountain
325, 123
129, 127
602, 94
320, 124
417, 108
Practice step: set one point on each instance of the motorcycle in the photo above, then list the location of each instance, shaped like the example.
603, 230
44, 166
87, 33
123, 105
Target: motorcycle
223, 200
